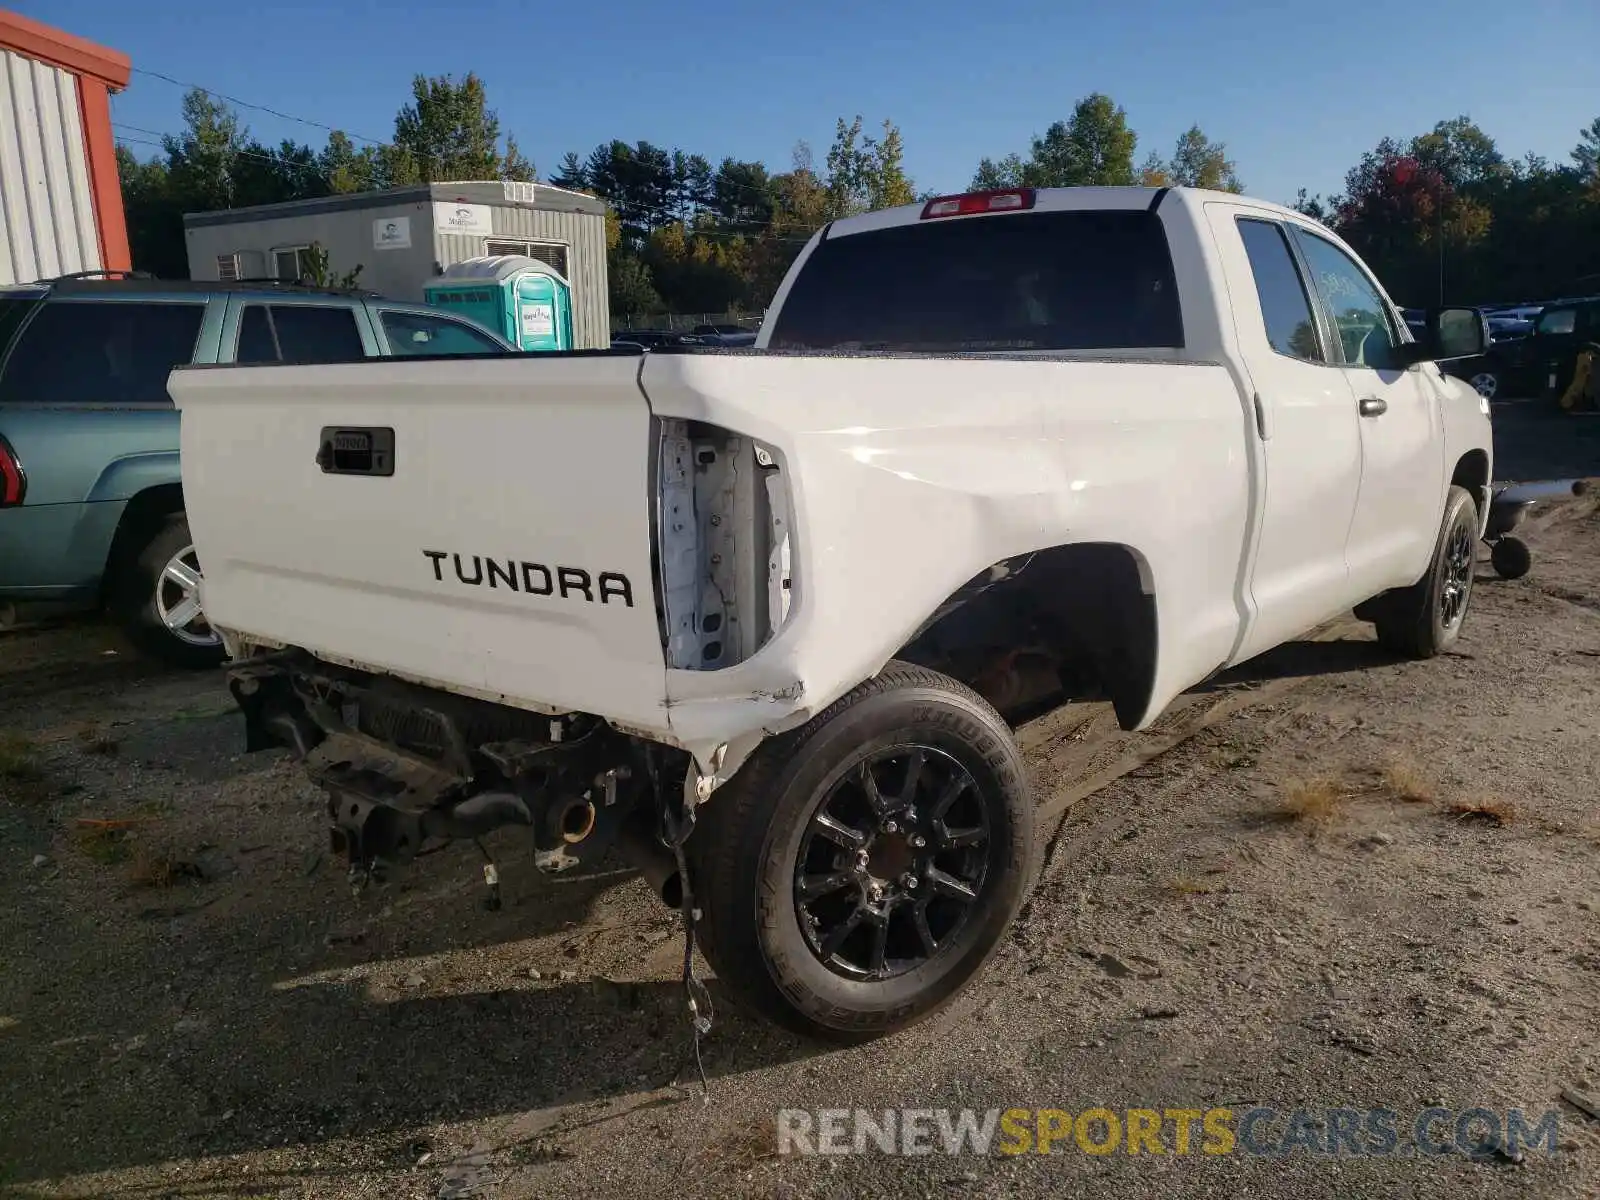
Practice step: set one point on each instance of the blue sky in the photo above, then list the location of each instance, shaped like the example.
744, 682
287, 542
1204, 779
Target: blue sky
1297, 89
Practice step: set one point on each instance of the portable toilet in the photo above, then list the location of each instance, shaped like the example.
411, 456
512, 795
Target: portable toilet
526, 300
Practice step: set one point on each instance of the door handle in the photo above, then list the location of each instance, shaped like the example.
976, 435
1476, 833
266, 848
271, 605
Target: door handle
1373, 406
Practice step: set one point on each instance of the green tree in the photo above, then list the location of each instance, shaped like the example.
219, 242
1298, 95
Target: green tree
1313, 207
866, 173
571, 174
448, 132
633, 293
1094, 146
1464, 155
319, 273
346, 169
1586, 154
887, 183
1201, 163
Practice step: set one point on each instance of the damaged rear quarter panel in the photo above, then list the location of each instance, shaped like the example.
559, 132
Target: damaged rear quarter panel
907, 476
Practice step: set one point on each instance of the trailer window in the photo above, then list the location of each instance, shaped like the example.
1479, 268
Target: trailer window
1091, 280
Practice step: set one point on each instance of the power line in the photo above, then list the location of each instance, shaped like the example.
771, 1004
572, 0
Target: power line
749, 189
283, 116
162, 145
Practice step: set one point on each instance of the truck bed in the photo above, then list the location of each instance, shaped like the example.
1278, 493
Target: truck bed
524, 544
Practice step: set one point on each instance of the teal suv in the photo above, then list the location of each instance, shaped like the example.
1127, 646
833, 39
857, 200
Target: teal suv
91, 501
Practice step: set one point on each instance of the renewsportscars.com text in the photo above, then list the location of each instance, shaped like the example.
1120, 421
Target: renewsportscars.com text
1259, 1131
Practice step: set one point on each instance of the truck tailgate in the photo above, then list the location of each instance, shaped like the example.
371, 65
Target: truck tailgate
505, 554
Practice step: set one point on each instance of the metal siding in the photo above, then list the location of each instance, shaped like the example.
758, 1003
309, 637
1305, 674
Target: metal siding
585, 234
347, 237
46, 203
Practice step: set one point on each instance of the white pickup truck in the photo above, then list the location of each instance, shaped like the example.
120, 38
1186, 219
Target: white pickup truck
770, 614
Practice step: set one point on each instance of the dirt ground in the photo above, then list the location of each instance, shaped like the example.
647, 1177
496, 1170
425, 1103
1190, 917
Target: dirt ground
1362, 883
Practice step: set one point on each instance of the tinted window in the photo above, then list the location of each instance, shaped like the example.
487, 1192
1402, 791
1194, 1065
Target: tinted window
418, 333
1558, 320
298, 333
1030, 281
255, 336
14, 310
100, 353
1285, 306
1366, 336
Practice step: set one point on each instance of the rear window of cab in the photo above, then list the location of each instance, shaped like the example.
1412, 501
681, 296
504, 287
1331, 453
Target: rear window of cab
1085, 280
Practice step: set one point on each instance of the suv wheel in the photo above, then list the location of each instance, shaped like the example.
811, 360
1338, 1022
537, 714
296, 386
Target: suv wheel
161, 601
856, 873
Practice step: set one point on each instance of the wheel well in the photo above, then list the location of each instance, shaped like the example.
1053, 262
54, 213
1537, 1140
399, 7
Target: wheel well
142, 519
1472, 473
1069, 622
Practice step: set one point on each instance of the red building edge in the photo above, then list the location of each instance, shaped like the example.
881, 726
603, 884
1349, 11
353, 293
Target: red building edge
99, 72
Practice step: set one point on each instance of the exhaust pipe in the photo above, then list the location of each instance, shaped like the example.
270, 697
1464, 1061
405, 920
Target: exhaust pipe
642, 849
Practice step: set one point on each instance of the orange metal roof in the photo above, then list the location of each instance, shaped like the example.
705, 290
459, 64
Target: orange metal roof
38, 41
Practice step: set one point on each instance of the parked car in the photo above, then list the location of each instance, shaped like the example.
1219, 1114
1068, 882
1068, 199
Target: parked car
653, 339
1488, 372
1549, 355
93, 508
770, 617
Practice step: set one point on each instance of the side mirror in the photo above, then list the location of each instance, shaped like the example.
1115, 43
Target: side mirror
1450, 333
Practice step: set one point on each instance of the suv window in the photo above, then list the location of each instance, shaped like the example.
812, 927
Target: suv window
1285, 305
101, 352
419, 333
1092, 280
1367, 336
298, 333
1557, 321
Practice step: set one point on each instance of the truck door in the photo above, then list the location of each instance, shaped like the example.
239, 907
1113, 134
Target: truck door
1401, 500
1306, 425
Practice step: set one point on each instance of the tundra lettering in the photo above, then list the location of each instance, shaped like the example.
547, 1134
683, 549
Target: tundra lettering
537, 579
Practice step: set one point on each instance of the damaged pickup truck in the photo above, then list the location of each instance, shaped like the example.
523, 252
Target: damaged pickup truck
764, 619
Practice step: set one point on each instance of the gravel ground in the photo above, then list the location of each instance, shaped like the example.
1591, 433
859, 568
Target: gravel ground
1361, 883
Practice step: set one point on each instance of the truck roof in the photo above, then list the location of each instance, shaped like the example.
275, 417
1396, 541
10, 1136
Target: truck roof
1053, 199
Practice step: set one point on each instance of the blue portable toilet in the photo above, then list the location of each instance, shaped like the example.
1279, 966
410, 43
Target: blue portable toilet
522, 298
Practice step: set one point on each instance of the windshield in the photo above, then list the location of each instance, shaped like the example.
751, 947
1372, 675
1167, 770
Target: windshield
1092, 280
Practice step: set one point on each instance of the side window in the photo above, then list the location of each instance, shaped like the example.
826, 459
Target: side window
298, 333
256, 344
104, 352
1557, 320
1367, 337
418, 333
1285, 306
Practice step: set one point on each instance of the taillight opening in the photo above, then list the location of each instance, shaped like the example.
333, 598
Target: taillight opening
13, 480
971, 203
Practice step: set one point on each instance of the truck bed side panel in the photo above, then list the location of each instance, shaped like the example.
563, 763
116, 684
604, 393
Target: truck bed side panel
910, 475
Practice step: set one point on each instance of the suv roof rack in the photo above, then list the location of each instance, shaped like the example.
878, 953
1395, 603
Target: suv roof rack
114, 273
149, 283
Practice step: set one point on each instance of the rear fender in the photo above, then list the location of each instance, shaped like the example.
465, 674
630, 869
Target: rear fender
124, 478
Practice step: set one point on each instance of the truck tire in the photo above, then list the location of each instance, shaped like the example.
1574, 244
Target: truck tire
1426, 618
857, 872
159, 603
